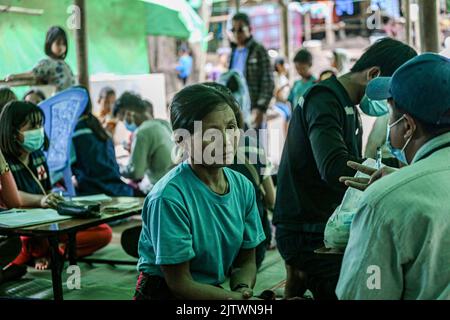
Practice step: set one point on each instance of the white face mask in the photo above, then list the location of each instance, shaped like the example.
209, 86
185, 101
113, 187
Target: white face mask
398, 153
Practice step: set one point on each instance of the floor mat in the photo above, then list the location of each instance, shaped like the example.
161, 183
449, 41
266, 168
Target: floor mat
117, 282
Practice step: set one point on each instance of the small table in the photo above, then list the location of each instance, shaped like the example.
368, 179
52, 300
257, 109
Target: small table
70, 227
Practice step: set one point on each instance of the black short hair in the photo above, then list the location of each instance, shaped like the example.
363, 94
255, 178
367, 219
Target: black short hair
148, 106
128, 100
433, 130
303, 56
242, 17
6, 95
15, 115
37, 92
195, 102
105, 92
387, 54
233, 83
53, 34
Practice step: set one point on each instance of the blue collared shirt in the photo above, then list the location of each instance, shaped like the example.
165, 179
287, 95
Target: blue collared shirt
240, 60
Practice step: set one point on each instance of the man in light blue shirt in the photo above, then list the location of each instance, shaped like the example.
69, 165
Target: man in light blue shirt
400, 237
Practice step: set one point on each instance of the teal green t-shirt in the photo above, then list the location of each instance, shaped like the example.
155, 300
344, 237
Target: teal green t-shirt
298, 89
183, 220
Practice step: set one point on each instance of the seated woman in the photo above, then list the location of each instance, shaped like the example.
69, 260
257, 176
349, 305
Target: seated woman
21, 140
200, 221
9, 246
95, 167
252, 162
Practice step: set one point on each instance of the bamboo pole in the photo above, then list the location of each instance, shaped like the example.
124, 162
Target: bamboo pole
429, 25
81, 46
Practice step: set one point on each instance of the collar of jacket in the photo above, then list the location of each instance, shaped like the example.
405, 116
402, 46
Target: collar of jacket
249, 43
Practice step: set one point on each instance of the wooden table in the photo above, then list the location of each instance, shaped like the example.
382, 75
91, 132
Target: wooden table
70, 227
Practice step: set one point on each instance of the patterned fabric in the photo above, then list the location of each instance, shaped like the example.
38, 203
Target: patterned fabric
266, 25
54, 72
258, 73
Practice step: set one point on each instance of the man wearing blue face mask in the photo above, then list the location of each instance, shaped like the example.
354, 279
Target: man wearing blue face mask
399, 239
151, 145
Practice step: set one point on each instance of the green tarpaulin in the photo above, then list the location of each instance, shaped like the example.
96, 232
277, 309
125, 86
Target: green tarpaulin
174, 18
116, 36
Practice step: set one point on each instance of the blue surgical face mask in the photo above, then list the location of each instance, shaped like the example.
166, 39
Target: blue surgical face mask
130, 126
374, 108
33, 139
398, 153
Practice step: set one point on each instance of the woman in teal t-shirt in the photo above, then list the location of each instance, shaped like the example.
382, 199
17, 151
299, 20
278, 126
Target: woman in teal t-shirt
200, 221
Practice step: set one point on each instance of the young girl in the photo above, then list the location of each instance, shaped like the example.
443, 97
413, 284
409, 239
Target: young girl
95, 167
52, 70
200, 222
21, 140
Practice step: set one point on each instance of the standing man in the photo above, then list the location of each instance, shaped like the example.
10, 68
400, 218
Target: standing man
251, 59
325, 132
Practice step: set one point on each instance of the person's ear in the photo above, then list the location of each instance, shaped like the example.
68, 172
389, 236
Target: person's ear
373, 73
410, 126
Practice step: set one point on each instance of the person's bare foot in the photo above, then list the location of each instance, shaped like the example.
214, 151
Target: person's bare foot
42, 264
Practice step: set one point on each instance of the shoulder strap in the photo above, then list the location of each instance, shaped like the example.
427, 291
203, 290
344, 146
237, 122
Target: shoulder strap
34, 177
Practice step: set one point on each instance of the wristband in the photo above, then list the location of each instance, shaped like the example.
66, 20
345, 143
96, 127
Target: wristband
240, 286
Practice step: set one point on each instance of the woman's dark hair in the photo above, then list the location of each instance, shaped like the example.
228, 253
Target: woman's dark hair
195, 102
92, 122
128, 99
37, 92
53, 34
15, 115
6, 95
303, 56
387, 54
242, 17
105, 92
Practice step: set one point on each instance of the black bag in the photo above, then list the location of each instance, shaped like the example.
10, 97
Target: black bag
79, 209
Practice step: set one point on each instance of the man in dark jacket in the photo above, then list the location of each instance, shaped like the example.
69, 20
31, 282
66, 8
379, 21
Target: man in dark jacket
324, 134
251, 59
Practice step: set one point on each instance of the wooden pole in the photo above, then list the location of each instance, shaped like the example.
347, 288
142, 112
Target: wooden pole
238, 5
81, 46
284, 18
429, 25
12, 9
407, 10
307, 26
329, 32
205, 12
